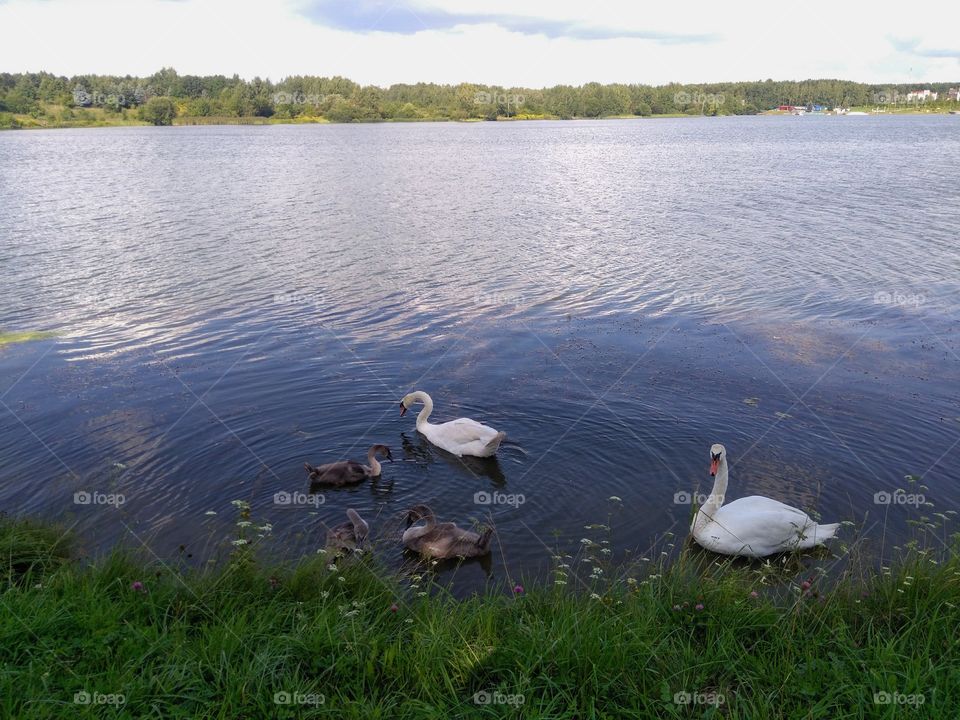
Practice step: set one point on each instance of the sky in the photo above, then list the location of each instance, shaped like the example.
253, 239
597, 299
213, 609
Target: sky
518, 43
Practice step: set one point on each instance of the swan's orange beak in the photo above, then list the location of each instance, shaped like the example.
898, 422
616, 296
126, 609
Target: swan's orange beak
713, 467
403, 409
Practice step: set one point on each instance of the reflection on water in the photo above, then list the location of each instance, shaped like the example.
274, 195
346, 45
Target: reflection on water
423, 452
230, 303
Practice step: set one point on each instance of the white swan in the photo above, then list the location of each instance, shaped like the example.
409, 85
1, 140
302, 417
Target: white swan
753, 526
460, 437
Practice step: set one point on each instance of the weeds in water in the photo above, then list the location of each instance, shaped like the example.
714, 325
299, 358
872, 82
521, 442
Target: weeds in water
9, 338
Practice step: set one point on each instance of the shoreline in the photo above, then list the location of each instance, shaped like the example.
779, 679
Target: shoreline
349, 636
32, 124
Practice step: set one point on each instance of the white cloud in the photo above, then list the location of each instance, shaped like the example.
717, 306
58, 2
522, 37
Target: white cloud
747, 41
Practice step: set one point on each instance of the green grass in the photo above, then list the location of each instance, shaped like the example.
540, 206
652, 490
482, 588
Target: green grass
222, 642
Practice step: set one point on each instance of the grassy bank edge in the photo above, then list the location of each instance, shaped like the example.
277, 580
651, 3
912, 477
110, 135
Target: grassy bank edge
235, 638
26, 122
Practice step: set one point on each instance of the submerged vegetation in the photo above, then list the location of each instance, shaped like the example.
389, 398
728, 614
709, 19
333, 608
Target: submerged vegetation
9, 338
346, 637
46, 100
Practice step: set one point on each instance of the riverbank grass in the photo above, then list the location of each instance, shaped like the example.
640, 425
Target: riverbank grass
348, 638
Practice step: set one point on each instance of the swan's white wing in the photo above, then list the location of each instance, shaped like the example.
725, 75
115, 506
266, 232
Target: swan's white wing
463, 431
755, 526
757, 503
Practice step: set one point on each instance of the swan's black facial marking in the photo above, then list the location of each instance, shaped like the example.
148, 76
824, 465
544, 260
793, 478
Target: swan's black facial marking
716, 456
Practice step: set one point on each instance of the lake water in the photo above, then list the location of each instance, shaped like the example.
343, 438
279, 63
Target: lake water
230, 302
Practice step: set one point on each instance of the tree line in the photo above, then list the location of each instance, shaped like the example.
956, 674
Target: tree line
166, 94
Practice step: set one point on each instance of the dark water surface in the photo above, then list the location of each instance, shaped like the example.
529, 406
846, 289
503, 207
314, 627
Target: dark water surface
229, 302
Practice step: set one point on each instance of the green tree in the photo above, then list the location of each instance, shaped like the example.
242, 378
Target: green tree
200, 107
159, 111
23, 97
408, 111
342, 111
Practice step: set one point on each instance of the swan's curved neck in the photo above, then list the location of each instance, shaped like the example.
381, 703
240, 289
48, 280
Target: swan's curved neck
427, 407
373, 462
713, 503
427, 517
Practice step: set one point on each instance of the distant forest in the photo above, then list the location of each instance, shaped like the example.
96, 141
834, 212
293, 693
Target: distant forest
166, 95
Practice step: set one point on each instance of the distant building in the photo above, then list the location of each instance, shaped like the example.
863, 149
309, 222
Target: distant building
921, 96
953, 94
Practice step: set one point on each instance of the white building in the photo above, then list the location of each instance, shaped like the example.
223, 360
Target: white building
921, 96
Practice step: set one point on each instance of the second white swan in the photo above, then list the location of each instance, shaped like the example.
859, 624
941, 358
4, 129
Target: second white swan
462, 436
754, 526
